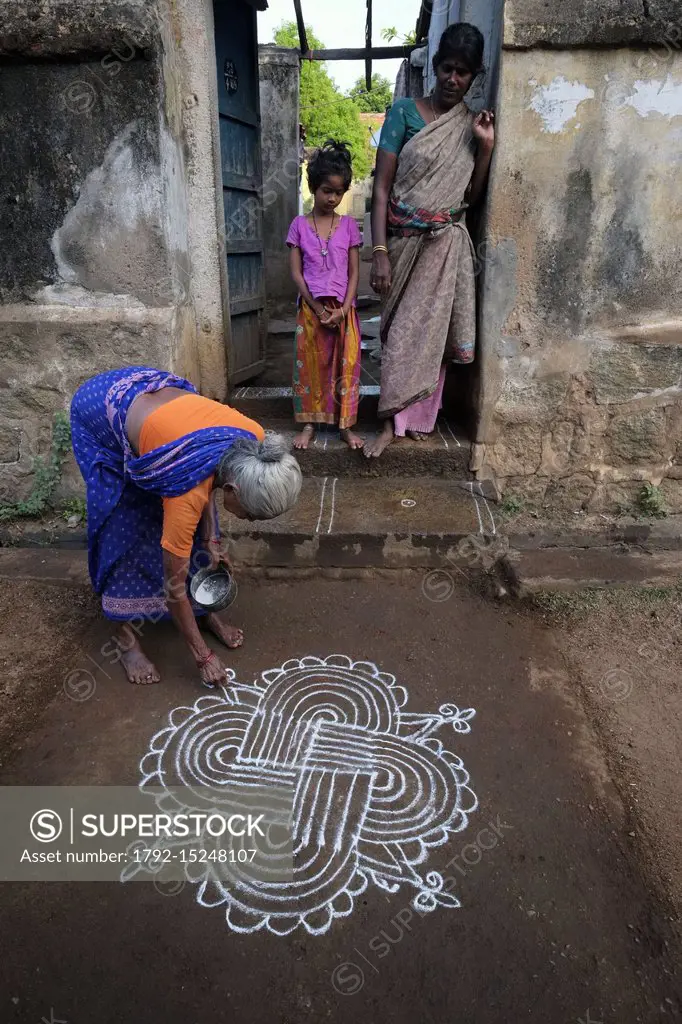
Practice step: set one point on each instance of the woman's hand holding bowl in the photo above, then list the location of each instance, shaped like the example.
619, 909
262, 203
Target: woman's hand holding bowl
217, 555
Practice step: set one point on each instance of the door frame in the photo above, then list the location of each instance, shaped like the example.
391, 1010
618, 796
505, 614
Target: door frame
229, 305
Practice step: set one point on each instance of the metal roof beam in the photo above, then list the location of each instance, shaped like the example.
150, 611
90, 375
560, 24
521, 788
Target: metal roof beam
302, 35
368, 47
377, 53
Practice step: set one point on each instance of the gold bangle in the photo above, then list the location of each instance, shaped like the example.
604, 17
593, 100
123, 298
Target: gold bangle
379, 248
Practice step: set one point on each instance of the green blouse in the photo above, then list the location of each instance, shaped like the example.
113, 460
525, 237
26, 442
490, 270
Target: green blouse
402, 123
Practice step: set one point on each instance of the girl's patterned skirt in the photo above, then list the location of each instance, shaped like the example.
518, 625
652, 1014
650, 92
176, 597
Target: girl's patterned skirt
327, 365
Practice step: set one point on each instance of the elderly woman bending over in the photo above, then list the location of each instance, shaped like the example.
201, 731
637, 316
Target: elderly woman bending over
153, 454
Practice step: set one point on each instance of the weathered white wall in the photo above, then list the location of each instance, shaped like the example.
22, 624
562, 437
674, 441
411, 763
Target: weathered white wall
110, 249
579, 370
279, 103
192, 89
581, 345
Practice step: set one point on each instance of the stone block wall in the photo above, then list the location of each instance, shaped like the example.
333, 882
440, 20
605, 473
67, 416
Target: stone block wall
581, 306
109, 220
44, 362
279, 102
92, 219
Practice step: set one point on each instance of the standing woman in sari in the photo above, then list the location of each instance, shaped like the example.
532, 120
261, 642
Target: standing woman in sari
433, 162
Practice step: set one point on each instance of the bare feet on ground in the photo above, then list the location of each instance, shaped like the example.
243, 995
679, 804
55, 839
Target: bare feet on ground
302, 440
374, 448
228, 635
138, 668
417, 435
352, 440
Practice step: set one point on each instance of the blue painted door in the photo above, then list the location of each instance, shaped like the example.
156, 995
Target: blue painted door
239, 106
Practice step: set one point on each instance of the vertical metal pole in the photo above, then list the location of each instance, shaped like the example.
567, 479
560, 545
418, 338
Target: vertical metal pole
368, 44
302, 35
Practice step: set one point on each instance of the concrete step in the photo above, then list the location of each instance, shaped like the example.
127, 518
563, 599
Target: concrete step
436, 569
576, 568
427, 528
443, 454
346, 522
276, 403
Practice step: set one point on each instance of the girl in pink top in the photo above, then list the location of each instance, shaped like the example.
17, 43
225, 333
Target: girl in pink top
325, 265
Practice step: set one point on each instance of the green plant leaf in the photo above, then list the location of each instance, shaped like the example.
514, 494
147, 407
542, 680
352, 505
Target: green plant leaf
46, 475
325, 112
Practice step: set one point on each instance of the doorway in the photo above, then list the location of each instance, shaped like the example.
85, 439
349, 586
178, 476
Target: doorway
465, 386
236, 44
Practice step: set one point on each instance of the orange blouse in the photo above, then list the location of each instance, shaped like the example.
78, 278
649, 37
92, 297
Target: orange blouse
169, 422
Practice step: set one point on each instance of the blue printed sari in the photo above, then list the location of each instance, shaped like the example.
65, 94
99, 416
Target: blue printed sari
124, 491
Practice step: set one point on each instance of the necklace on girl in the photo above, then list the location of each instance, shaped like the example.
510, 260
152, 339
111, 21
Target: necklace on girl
324, 249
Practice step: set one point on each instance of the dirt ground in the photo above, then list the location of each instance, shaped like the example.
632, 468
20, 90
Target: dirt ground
623, 648
42, 627
573, 916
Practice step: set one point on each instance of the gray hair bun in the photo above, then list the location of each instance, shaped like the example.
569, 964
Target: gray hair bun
272, 448
265, 473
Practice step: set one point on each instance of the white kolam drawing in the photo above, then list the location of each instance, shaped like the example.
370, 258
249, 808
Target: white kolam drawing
375, 789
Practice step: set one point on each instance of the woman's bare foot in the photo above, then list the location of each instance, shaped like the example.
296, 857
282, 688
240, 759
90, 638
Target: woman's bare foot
374, 449
352, 440
228, 635
302, 440
417, 435
138, 668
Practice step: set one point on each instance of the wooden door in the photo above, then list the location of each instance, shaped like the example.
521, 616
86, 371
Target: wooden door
239, 107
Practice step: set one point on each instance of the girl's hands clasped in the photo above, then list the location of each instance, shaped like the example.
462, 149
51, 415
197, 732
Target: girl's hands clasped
335, 318
330, 318
323, 314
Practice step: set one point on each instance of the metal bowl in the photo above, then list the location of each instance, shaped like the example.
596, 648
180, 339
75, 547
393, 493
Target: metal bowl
213, 589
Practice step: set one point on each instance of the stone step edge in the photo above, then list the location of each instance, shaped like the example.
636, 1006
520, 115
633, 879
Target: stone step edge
445, 438
644, 539
70, 568
253, 393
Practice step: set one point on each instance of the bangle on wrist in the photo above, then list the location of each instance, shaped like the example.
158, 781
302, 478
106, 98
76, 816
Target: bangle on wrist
203, 662
379, 248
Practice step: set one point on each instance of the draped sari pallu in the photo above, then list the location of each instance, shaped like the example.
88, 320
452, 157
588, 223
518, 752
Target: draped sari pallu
430, 312
124, 491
